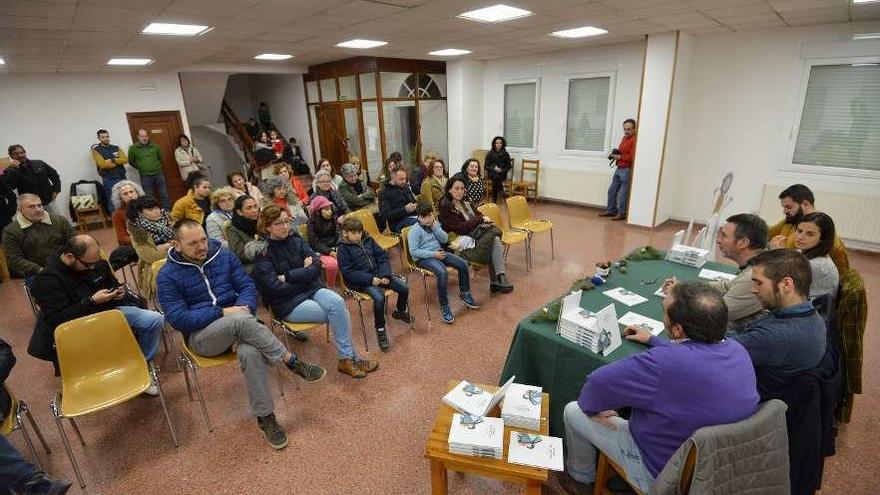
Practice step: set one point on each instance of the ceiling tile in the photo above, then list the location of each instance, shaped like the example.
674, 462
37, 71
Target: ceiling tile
865, 12
111, 14
93, 38
23, 22
787, 5
217, 8
37, 9
822, 14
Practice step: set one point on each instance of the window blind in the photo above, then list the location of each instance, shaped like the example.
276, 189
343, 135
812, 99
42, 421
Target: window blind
840, 122
587, 113
519, 115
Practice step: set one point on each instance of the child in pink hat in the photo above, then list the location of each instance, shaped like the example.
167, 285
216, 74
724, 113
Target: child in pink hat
324, 236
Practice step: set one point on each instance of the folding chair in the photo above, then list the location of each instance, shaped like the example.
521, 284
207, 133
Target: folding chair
13, 422
101, 366
360, 297
520, 218
508, 237
384, 241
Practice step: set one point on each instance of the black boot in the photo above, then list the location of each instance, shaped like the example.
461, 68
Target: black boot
504, 284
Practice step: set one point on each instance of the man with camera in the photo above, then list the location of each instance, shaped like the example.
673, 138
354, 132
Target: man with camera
79, 282
618, 192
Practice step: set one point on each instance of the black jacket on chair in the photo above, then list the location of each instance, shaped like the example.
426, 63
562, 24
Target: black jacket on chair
99, 191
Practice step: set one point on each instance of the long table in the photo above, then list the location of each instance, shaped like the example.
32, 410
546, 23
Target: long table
538, 356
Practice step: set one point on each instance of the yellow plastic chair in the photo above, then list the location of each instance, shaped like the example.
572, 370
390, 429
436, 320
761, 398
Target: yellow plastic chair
304, 231
384, 241
520, 218
101, 366
167, 336
13, 422
410, 264
360, 297
508, 237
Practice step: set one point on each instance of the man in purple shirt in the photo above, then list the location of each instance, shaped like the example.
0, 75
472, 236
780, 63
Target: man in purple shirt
674, 388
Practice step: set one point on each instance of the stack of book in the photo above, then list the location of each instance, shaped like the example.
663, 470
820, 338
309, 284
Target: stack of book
476, 436
468, 398
522, 407
597, 331
538, 451
687, 255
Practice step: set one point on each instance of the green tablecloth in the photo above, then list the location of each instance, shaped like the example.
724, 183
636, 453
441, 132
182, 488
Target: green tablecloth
538, 356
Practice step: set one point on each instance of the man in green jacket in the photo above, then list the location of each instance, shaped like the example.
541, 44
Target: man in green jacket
146, 158
32, 237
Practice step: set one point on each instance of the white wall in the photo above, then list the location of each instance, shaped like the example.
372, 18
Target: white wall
203, 95
739, 113
464, 103
285, 95
55, 116
217, 151
580, 178
240, 96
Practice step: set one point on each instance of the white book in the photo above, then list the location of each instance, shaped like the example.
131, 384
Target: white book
625, 296
522, 403
660, 292
473, 400
476, 432
637, 320
715, 275
538, 451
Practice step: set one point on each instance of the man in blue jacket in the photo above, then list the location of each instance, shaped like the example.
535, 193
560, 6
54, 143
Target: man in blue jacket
207, 296
674, 388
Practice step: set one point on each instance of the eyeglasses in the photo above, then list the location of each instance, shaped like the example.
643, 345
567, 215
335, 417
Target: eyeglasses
279, 222
88, 265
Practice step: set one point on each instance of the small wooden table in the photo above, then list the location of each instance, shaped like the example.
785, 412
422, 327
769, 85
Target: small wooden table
437, 451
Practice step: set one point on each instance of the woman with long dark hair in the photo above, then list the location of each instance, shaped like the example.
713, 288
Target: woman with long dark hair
497, 166
475, 190
814, 237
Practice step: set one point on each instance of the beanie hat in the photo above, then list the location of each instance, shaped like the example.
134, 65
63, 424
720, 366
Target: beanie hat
318, 203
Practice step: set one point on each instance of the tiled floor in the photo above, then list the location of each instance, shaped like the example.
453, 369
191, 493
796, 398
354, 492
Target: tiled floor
366, 436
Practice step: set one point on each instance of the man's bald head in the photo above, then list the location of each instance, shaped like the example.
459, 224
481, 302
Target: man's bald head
81, 252
698, 309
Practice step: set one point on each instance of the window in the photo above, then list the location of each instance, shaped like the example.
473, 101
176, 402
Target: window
519, 114
586, 127
840, 120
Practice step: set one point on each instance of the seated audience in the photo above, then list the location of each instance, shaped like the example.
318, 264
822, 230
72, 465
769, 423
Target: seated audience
797, 201
473, 182
286, 172
28, 176
434, 184
207, 297
239, 186
196, 205
674, 388
325, 165
150, 229
421, 171
426, 240
288, 275
324, 188
355, 191
243, 229
365, 268
124, 193
76, 282
743, 237
392, 164
324, 236
277, 192
477, 240
33, 236
189, 159
222, 204
791, 339
497, 165
17, 476
397, 203
814, 237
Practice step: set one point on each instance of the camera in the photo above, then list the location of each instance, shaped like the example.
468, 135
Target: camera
614, 152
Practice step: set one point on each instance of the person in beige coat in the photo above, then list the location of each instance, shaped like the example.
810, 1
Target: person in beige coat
189, 159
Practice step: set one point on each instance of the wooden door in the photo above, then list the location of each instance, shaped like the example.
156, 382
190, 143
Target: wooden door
164, 129
331, 133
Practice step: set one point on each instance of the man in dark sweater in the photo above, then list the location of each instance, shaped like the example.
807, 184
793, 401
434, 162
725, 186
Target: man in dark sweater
31, 176
397, 203
791, 339
32, 237
674, 388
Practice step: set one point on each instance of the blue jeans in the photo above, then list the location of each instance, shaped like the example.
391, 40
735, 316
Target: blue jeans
438, 268
402, 224
108, 183
378, 295
13, 467
154, 185
147, 326
618, 191
325, 306
584, 435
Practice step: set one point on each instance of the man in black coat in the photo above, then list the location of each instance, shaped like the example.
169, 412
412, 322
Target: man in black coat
31, 176
397, 203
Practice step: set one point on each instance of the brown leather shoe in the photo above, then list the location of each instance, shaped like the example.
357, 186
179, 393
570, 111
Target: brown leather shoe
607, 214
618, 218
366, 365
349, 367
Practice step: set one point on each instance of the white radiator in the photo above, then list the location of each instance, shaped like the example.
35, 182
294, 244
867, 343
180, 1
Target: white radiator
856, 218
588, 188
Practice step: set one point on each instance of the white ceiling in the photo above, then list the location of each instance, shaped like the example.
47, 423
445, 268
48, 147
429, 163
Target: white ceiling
81, 35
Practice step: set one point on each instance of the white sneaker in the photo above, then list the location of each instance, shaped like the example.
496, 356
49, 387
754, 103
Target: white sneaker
152, 390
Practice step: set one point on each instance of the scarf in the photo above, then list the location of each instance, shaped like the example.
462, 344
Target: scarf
465, 209
160, 230
244, 224
227, 215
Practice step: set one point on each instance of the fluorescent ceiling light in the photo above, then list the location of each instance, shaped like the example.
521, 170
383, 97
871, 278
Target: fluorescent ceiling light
130, 61
581, 32
175, 29
273, 56
866, 36
2, 62
865, 1
361, 44
495, 13
449, 52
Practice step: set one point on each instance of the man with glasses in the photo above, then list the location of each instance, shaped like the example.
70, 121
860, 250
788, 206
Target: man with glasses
78, 282
32, 237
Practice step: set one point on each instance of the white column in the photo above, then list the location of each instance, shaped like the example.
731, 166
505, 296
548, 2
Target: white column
654, 107
464, 103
